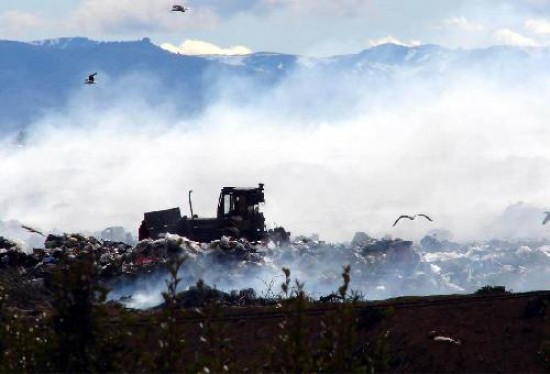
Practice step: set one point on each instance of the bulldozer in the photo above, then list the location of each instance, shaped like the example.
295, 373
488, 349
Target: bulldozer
238, 216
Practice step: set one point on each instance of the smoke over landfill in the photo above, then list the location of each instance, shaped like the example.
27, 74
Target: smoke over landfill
338, 152
432, 267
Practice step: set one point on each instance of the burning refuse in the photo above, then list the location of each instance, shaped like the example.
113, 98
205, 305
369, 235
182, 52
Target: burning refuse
214, 252
380, 268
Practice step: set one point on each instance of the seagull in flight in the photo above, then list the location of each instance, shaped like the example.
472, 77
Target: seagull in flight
178, 8
412, 217
91, 79
32, 230
547, 218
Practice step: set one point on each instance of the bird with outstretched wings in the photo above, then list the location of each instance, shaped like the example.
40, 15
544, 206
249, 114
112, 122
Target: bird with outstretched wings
412, 217
401, 217
30, 229
90, 79
547, 218
425, 216
179, 8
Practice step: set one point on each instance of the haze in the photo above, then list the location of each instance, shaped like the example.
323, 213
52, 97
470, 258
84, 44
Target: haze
336, 155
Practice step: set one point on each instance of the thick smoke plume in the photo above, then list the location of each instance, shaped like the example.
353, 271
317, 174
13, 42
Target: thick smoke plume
434, 267
338, 152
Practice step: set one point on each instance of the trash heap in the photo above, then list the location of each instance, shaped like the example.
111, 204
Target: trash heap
380, 268
231, 265
11, 253
115, 258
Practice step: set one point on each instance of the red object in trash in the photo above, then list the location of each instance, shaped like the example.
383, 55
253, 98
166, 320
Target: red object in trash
142, 260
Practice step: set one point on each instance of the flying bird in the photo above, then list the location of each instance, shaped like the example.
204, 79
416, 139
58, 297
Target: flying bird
412, 217
547, 218
425, 216
32, 230
91, 79
178, 8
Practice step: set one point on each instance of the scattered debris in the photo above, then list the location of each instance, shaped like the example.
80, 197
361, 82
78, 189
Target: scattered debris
446, 339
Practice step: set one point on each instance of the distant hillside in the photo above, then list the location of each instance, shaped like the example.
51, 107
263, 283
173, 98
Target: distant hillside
41, 77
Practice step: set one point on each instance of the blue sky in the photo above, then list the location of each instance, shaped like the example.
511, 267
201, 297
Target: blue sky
308, 27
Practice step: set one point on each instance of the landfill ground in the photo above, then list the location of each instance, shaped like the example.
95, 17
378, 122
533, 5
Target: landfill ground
493, 329
494, 333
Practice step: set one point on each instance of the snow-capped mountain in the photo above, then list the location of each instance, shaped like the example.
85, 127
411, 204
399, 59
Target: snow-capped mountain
42, 76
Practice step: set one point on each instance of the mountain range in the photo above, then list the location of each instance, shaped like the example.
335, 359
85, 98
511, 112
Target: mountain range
37, 78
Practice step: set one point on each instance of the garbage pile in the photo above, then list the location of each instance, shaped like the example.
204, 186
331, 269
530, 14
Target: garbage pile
520, 266
11, 253
115, 258
380, 268
228, 266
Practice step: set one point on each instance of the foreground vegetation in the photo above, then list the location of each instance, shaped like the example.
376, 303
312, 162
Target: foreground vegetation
68, 327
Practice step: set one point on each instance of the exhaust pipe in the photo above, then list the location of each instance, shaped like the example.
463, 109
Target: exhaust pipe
191, 204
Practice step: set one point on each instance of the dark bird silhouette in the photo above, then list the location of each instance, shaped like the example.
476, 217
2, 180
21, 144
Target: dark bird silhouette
425, 216
91, 79
412, 217
32, 230
547, 218
178, 8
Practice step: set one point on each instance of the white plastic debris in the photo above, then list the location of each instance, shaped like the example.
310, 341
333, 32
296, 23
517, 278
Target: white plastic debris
446, 339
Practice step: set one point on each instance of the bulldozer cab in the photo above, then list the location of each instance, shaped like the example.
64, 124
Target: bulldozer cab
242, 202
239, 210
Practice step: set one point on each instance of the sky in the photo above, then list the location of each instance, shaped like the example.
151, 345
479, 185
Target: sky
337, 154
304, 27
340, 155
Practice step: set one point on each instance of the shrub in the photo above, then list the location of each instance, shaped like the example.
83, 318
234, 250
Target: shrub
491, 290
81, 343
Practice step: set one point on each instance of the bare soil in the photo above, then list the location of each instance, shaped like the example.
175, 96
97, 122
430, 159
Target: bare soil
503, 333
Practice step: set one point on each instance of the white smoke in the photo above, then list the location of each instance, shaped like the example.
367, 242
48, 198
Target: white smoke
338, 153
449, 269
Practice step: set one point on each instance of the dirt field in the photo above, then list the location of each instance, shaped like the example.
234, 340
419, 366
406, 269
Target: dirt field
491, 333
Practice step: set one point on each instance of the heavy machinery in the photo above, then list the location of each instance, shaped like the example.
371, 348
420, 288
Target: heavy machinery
238, 216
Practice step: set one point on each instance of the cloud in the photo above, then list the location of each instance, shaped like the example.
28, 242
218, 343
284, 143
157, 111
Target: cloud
16, 24
538, 26
509, 37
341, 7
392, 40
484, 23
463, 23
198, 47
126, 16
